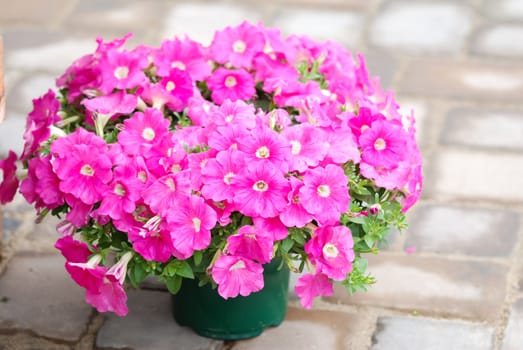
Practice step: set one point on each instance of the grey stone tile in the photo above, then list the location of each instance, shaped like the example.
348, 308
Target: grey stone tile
41, 12
151, 311
463, 230
432, 286
480, 127
513, 337
413, 333
476, 175
26, 90
429, 27
321, 24
503, 40
42, 298
507, 9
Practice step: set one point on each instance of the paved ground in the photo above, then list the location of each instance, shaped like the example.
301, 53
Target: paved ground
458, 63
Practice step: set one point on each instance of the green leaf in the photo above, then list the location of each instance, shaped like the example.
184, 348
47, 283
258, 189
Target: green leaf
197, 257
173, 284
287, 244
185, 270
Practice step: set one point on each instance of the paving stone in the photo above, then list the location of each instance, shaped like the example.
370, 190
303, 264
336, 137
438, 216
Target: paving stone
499, 40
42, 298
434, 27
200, 20
11, 131
435, 286
476, 175
459, 80
477, 127
314, 330
463, 230
507, 9
413, 333
28, 89
150, 311
24, 341
41, 13
513, 337
55, 50
42, 237
342, 26
383, 64
421, 111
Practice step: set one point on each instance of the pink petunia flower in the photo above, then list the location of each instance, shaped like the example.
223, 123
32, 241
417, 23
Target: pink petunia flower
119, 270
143, 132
103, 108
264, 145
231, 84
88, 275
310, 286
73, 250
325, 193
251, 243
10, 182
218, 173
237, 276
184, 54
190, 226
47, 186
308, 146
226, 137
330, 248
80, 212
152, 240
235, 113
237, 45
341, 146
84, 173
260, 190
167, 193
273, 225
363, 121
180, 88
122, 70
383, 144
294, 214
110, 297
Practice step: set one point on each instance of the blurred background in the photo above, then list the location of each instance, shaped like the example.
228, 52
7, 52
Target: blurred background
454, 280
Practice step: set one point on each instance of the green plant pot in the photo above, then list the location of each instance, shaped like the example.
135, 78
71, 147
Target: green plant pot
211, 316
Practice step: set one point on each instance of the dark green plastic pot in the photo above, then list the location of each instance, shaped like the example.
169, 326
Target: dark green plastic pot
211, 316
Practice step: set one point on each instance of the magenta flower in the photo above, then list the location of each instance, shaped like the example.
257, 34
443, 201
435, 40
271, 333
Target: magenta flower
39, 121
294, 214
143, 132
84, 173
251, 243
122, 70
325, 193
237, 45
237, 276
190, 225
167, 193
235, 113
9, 183
273, 225
152, 241
226, 137
264, 145
110, 297
119, 270
184, 54
103, 108
260, 190
363, 121
383, 144
231, 84
79, 213
180, 88
308, 146
74, 251
342, 147
47, 186
311, 286
88, 275
330, 248
218, 173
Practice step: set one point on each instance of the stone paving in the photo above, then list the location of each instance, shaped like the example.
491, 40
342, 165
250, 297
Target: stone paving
453, 281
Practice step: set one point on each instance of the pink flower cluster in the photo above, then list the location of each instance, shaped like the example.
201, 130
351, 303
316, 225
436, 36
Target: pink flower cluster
168, 142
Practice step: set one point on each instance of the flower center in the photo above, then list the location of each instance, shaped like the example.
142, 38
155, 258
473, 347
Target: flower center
229, 118
260, 186
330, 250
324, 190
170, 184
87, 170
179, 65
239, 265
239, 46
119, 190
364, 127
230, 81
227, 178
170, 86
121, 72
296, 147
148, 134
263, 152
142, 176
296, 199
380, 144
197, 224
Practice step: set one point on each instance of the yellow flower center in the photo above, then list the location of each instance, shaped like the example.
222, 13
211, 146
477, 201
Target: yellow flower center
260, 186
170, 184
170, 86
119, 190
121, 72
263, 152
239, 46
239, 265
296, 147
324, 191
179, 65
87, 170
227, 178
197, 224
330, 250
148, 134
230, 81
380, 144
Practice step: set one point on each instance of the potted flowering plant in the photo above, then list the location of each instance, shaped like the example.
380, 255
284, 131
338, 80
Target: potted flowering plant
209, 164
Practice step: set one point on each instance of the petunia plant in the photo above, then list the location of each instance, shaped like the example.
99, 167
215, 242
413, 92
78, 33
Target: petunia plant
188, 161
